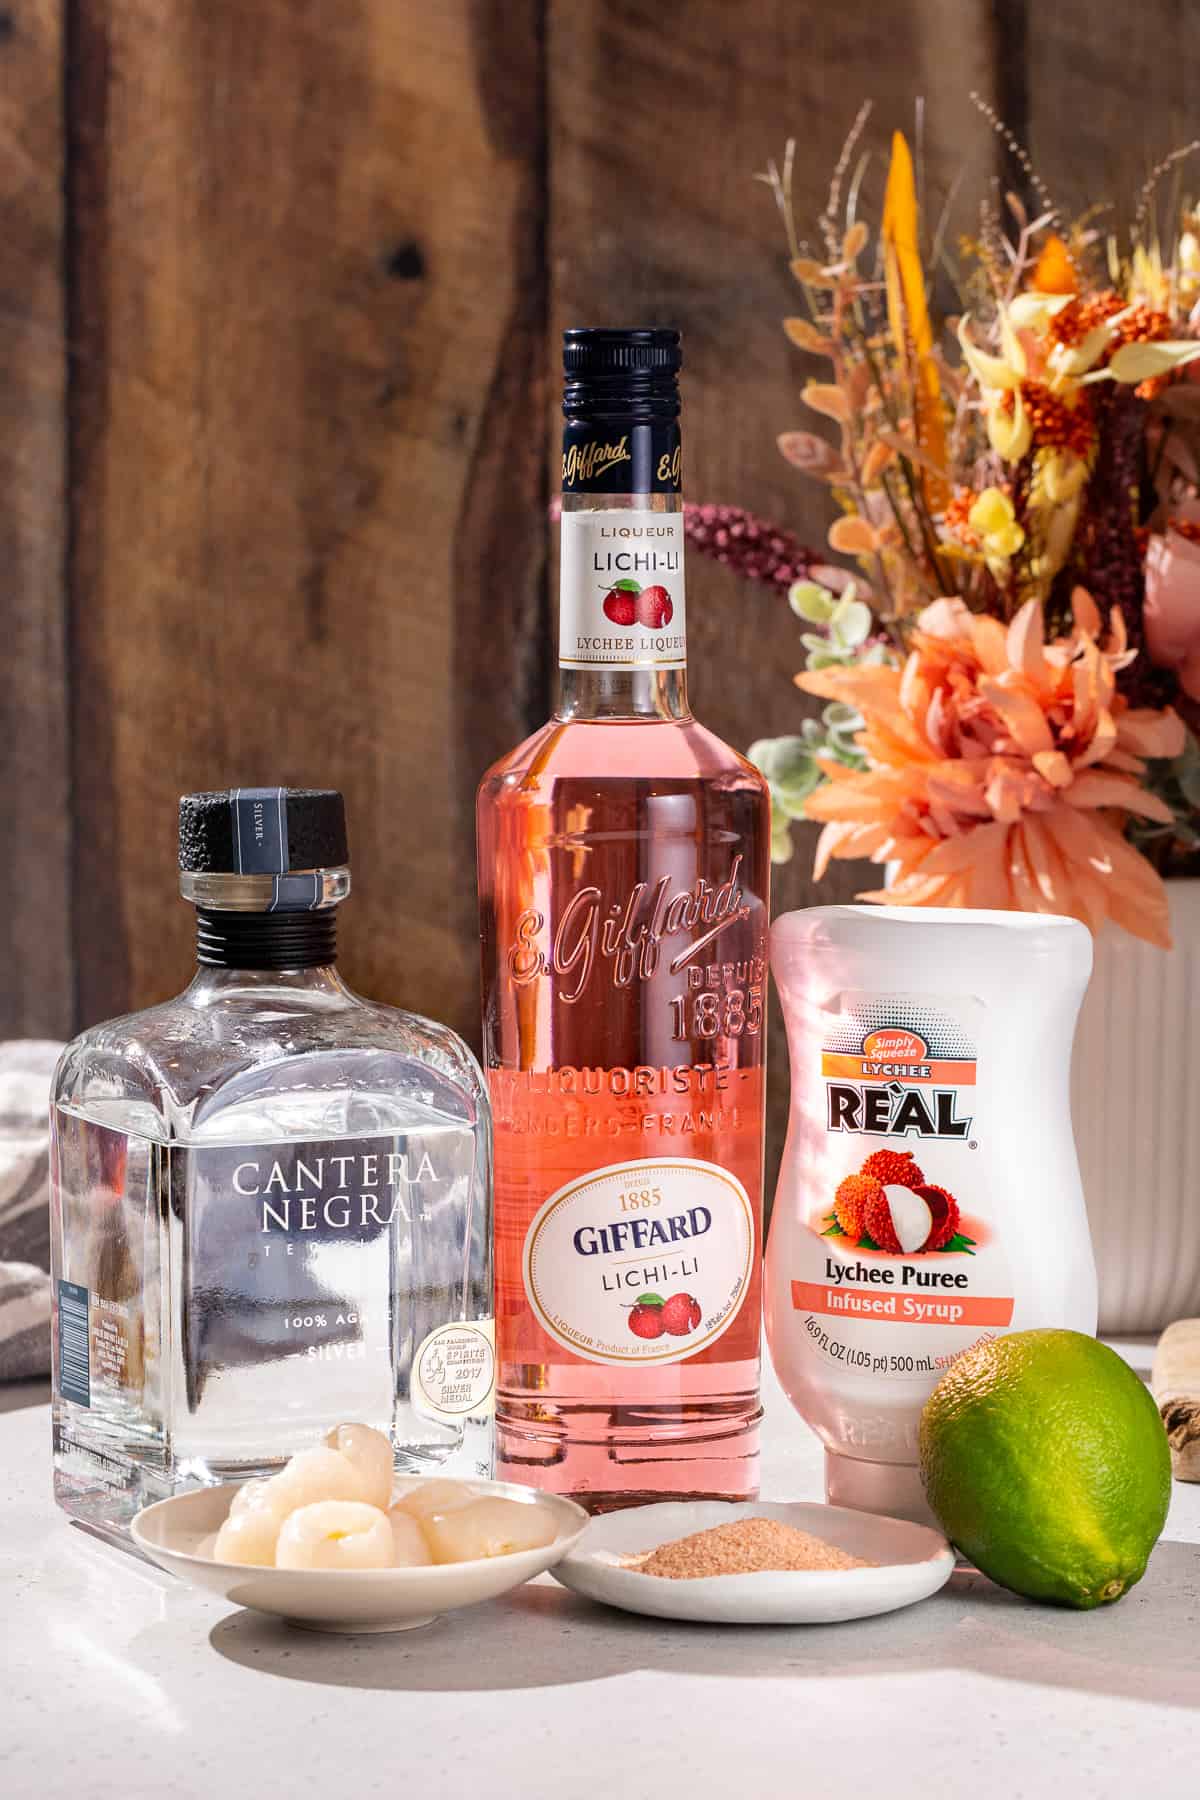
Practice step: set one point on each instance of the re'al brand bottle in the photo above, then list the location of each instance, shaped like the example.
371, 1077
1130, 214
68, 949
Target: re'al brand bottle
623, 869
929, 1197
270, 1198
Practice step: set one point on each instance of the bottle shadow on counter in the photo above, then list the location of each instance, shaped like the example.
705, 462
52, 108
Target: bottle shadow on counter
543, 1636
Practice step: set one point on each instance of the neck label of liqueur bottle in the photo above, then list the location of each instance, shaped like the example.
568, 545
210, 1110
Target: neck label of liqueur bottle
601, 458
622, 591
641, 1262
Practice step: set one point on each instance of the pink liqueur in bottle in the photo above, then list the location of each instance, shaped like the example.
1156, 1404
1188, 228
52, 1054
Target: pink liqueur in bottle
623, 868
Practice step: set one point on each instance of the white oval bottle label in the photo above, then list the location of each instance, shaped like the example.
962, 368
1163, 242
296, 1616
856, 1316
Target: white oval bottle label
641, 1262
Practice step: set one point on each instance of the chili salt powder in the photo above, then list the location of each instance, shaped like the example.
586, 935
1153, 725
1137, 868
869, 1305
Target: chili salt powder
743, 1547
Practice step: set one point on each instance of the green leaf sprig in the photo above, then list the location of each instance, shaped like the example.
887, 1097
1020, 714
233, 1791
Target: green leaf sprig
790, 763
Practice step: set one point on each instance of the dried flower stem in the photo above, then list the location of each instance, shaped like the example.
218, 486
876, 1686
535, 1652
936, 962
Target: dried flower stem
780, 184
1017, 150
849, 447
1147, 189
831, 229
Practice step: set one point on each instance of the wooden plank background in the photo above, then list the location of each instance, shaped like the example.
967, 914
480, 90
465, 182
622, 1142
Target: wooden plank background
281, 289
37, 987
297, 273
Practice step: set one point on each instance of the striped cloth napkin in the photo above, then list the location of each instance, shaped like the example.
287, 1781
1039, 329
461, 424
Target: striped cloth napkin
26, 1070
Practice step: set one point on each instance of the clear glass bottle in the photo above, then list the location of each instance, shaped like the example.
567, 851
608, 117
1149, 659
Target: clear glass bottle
623, 871
270, 1198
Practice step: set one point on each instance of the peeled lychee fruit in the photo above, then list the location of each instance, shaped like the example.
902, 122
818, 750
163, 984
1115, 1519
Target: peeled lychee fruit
654, 608
249, 1536
647, 1321
430, 1497
899, 1220
620, 607
490, 1526
944, 1208
681, 1314
409, 1548
312, 1476
906, 1221
850, 1201
335, 1534
370, 1452
893, 1165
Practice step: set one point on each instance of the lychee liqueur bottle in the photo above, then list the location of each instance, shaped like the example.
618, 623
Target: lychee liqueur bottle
929, 1197
623, 868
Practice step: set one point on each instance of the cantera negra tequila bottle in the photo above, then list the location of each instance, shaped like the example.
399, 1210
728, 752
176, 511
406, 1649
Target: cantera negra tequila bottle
271, 1200
623, 866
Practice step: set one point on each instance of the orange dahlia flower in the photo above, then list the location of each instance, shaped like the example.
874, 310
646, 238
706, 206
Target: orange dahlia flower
1001, 770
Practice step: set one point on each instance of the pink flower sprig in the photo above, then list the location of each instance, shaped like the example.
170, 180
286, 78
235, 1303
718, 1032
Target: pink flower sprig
750, 546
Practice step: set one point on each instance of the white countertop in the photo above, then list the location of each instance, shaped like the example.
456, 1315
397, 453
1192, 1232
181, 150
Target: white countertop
119, 1682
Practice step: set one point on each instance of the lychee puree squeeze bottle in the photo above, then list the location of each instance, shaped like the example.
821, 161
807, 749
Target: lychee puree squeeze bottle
929, 1196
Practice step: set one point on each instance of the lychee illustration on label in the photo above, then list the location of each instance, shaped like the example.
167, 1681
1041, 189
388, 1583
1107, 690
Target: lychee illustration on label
641, 1262
888, 1205
650, 1315
620, 602
628, 603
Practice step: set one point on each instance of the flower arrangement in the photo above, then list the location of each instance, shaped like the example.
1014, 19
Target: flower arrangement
1011, 674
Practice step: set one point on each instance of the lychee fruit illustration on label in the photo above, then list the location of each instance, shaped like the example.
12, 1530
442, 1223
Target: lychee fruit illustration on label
621, 602
893, 1165
647, 1316
898, 1220
944, 1208
655, 608
888, 1205
851, 1200
681, 1314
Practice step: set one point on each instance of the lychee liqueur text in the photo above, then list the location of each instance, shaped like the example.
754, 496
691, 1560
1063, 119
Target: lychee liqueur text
653, 560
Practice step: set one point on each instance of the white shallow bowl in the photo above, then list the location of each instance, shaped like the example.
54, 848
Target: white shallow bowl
914, 1562
171, 1531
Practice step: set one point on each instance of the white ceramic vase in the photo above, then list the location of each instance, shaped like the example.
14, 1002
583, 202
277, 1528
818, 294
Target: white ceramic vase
1136, 1111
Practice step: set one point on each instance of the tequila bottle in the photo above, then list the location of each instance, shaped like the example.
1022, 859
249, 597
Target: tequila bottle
271, 1199
623, 867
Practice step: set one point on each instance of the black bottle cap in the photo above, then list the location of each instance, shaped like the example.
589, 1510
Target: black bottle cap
645, 351
631, 374
252, 831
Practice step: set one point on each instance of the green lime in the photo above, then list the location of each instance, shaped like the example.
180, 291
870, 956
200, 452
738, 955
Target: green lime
1045, 1459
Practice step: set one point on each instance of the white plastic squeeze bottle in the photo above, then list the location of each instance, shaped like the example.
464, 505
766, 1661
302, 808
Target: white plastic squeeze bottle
929, 1195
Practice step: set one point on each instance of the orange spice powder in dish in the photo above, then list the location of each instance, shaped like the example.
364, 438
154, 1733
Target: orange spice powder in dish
743, 1547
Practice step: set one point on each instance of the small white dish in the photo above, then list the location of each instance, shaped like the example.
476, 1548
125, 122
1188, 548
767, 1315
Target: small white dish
171, 1532
913, 1562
